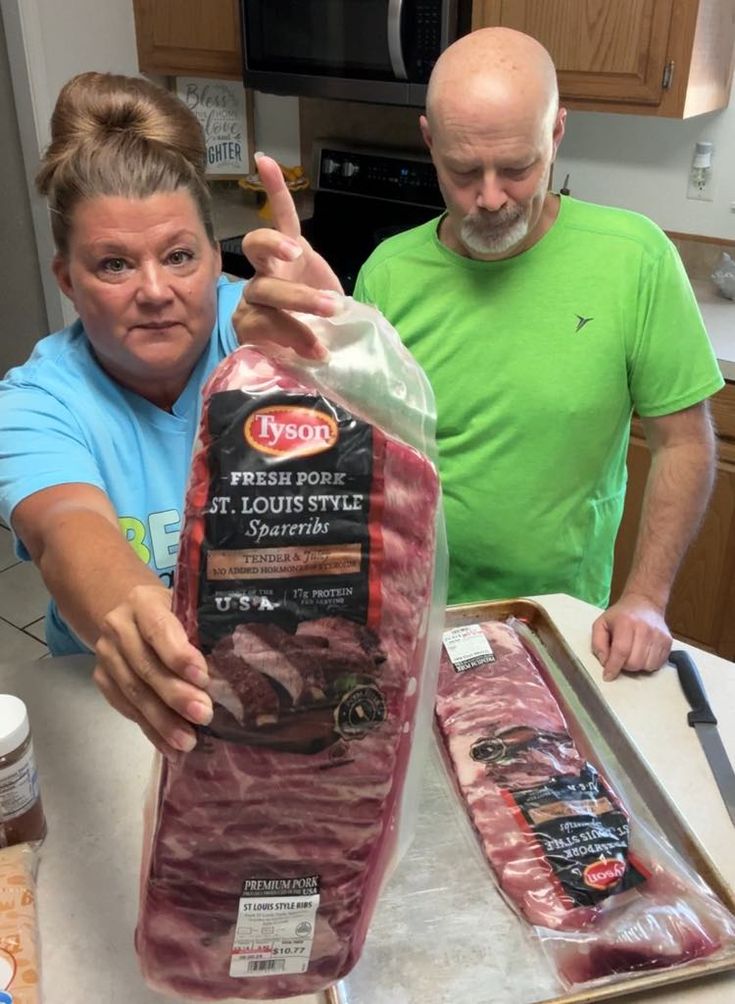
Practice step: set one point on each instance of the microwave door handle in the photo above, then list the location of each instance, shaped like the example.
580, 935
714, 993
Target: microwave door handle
395, 45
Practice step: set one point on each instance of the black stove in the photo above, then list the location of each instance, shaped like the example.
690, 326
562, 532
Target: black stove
361, 197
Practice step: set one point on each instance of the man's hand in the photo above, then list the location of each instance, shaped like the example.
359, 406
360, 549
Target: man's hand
148, 671
289, 275
631, 635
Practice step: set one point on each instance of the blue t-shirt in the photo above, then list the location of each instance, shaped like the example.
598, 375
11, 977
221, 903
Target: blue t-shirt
64, 420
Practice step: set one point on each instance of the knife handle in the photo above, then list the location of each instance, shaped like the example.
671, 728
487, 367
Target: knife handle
691, 684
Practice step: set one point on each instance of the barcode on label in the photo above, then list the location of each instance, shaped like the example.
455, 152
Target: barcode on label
467, 647
267, 966
464, 664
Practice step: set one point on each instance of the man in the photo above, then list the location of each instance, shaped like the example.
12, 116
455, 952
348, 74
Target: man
541, 322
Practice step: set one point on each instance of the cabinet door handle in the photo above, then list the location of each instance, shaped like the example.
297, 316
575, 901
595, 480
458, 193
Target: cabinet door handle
668, 75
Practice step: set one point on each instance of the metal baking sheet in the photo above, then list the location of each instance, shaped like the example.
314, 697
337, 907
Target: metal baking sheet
443, 934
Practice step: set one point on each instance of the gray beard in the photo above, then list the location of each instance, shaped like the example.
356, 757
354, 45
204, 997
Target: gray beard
483, 238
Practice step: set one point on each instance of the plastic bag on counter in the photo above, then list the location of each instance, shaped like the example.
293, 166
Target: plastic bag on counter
19, 959
312, 575
603, 891
724, 276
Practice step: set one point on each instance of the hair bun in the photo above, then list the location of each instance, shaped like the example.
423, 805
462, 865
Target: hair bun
121, 116
98, 107
112, 134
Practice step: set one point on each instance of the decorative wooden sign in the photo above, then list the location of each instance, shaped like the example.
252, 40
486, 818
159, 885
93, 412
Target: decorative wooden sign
220, 106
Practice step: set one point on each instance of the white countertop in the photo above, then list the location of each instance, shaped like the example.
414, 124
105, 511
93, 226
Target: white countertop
719, 318
652, 710
94, 768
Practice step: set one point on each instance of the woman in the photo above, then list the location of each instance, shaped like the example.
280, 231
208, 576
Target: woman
96, 428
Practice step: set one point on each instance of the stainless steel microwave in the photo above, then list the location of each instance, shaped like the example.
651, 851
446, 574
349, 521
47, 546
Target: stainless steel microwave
361, 50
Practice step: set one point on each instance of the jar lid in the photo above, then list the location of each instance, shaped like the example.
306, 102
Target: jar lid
14, 727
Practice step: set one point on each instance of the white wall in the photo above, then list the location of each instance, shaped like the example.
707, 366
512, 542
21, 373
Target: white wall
51, 40
78, 35
635, 161
277, 128
642, 163
48, 42
23, 316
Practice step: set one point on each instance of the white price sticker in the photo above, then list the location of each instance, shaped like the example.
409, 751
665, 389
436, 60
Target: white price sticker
275, 931
467, 647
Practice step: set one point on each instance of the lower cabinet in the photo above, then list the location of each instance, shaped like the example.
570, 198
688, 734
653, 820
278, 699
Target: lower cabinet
702, 607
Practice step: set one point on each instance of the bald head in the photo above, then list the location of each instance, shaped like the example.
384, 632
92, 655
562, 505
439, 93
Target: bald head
493, 126
496, 69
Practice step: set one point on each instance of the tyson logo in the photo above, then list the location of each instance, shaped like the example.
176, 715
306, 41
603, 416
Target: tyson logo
604, 873
287, 430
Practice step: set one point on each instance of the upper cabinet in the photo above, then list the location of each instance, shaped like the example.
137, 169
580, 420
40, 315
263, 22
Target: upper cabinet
657, 57
188, 37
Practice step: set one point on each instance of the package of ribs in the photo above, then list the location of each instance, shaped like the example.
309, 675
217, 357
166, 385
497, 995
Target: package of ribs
605, 892
312, 575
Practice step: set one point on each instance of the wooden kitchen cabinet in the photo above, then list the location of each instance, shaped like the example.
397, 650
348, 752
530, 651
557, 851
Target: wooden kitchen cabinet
658, 57
702, 608
188, 37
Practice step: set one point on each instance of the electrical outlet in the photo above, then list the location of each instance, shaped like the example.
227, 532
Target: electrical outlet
700, 184
700, 173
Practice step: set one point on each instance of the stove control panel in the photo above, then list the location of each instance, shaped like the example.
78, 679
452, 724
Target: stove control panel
380, 174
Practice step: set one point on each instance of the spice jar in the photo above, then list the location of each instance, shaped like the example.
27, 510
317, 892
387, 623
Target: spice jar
21, 811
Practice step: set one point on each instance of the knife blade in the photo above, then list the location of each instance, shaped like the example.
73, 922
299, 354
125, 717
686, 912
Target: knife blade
702, 719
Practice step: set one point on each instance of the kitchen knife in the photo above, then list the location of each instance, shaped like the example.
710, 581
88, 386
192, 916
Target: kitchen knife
703, 720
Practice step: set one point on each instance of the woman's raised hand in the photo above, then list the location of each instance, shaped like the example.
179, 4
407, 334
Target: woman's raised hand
289, 276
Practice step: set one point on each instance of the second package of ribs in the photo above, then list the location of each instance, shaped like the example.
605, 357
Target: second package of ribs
606, 897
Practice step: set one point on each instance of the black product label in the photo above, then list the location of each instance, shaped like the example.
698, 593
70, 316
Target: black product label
287, 535
583, 833
289, 576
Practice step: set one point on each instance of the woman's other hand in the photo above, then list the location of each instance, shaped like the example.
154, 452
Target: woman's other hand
148, 671
289, 276
146, 667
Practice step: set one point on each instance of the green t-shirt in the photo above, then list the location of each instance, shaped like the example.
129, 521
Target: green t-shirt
537, 362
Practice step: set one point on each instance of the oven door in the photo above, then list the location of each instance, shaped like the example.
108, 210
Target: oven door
365, 50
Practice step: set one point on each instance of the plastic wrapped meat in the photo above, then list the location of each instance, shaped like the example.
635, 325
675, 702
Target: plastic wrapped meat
555, 833
305, 575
